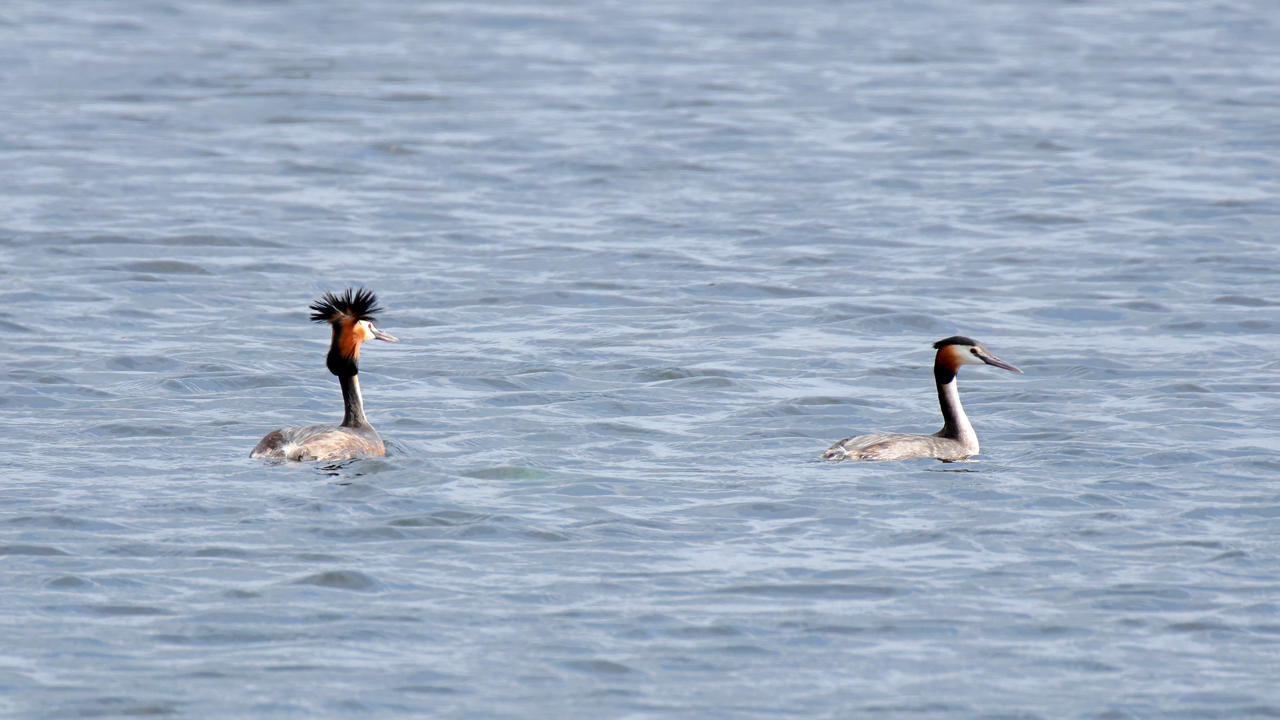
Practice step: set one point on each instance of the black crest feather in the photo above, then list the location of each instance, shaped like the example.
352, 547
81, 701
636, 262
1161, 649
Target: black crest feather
954, 340
358, 303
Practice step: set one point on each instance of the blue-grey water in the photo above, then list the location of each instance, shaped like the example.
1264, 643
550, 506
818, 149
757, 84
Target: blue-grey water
647, 260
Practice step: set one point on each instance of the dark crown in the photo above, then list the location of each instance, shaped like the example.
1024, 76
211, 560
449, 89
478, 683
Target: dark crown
954, 340
356, 303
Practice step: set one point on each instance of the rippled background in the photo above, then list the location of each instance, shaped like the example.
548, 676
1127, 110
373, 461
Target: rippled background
646, 260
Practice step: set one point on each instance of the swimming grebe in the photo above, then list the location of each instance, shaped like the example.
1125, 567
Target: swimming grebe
956, 440
351, 315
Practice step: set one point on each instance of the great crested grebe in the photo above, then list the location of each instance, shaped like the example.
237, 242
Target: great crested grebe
351, 315
956, 440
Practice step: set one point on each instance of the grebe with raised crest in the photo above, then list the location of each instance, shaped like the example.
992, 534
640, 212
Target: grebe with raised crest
351, 315
956, 440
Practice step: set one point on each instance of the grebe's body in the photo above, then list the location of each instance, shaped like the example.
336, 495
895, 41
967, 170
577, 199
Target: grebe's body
355, 437
956, 440
351, 315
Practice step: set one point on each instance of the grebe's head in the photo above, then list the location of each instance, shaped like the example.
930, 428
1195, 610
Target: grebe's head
959, 350
351, 314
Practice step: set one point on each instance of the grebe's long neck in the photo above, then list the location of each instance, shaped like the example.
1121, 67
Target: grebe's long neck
353, 417
955, 424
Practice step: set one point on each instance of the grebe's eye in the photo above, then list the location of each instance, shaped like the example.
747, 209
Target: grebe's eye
973, 350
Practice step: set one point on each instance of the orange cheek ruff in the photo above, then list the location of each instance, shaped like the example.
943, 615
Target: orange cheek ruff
952, 356
350, 339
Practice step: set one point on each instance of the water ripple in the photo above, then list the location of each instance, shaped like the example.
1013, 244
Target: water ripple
646, 261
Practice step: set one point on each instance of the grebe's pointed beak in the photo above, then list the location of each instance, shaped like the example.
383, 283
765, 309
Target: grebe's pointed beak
990, 359
379, 335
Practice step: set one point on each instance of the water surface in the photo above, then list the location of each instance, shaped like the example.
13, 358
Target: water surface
646, 262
